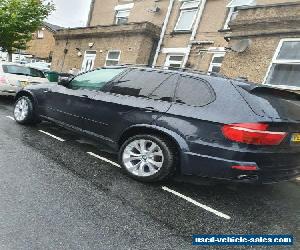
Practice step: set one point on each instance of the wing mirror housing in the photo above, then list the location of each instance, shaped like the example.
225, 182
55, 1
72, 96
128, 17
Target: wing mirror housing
63, 81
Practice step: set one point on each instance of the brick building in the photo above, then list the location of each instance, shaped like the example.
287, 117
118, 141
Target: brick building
169, 33
43, 42
273, 52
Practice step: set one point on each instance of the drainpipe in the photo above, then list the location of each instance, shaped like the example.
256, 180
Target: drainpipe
92, 7
163, 31
194, 33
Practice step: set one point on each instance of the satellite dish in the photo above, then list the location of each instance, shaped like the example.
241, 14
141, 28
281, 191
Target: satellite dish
241, 46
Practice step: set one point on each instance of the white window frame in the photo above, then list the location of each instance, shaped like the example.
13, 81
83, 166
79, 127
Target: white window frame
40, 34
168, 61
123, 8
233, 11
118, 17
184, 9
229, 16
116, 60
212, 64
282, 61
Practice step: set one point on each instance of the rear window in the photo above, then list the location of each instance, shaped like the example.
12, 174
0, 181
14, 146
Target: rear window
194, 91
20, 70
139, 83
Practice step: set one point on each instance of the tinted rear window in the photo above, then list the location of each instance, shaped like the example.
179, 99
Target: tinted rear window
139, 83
194, 91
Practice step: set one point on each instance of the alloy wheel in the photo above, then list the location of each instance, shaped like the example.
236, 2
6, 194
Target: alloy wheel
143, 157
21, 110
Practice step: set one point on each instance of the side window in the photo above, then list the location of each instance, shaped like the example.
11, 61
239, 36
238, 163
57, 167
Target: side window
36, 73
194, 91
17, 70
166, 91
94, 80
140, 83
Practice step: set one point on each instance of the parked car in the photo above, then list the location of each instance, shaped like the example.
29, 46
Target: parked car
164, 122
13, 77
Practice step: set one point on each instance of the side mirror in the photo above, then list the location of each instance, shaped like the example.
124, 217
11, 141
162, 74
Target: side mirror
64, 81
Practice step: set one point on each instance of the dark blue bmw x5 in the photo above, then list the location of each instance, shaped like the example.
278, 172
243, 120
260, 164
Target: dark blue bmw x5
164, 122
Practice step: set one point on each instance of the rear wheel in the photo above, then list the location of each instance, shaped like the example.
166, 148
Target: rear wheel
24, 111
148, 158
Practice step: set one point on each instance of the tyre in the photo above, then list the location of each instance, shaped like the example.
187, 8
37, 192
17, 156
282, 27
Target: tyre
24, 111
148, 158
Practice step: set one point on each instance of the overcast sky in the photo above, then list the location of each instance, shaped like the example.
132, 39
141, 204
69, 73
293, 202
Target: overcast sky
70, 13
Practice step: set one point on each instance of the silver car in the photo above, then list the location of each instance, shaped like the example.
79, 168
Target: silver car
14, 77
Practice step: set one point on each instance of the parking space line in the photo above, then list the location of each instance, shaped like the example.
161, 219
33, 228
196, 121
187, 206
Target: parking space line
104, 159
209, 209
53, 136
10, 117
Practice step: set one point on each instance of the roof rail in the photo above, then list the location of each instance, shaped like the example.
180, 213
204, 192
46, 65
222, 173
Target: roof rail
188, 70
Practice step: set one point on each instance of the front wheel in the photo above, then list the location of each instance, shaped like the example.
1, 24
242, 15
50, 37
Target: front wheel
148, 158
24, 111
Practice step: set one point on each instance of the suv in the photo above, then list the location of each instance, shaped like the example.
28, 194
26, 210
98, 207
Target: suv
13, 77
164, 122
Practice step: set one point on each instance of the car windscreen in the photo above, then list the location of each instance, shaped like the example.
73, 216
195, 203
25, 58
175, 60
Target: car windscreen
20, 70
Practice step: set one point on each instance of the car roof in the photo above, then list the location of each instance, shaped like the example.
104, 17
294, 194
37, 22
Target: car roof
183, 72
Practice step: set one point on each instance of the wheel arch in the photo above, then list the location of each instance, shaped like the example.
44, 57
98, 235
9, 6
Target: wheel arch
179, 141
26, 93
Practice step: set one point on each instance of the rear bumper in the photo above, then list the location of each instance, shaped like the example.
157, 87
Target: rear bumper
8, 90
220, 168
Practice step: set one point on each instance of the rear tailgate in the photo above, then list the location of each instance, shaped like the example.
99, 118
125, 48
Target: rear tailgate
271, 102
281, 107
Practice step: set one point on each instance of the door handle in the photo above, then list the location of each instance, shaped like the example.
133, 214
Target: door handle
47, 91
150, 109
85, 96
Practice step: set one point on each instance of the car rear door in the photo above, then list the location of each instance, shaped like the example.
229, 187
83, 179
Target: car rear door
138, 97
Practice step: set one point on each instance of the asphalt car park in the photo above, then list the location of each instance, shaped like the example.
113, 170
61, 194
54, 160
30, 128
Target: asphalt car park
60, 190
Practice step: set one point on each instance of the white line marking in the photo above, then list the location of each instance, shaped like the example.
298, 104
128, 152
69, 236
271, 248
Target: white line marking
10, 117
209, 209
104, 159
53, 136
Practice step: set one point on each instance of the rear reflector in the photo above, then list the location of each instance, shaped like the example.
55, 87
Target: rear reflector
252, 133
245, 168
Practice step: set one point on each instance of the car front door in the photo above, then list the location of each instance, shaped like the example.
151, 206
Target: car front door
70, 104
138, 97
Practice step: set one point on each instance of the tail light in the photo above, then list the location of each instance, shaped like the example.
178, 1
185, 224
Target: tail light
3, 80
252, 133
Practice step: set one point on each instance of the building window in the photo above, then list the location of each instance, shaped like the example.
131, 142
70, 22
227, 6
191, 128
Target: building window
122, 17
233, 10
285, 67
113, 58
40, 34
174, 61
122, 13
216, 62
188, 13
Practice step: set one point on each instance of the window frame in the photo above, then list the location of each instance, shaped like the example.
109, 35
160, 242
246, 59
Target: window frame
40, 34
212, 64
104, 87
230, 14
116, 60
117, 18
282, 61
184, 9
112, 83
205, 82
168, 61
233, 9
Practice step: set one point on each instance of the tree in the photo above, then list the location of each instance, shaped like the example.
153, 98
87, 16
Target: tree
18, 20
